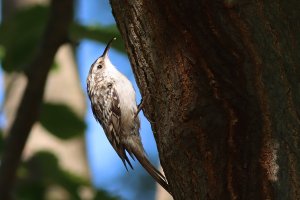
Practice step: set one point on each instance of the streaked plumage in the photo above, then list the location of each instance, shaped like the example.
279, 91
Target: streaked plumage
114, 107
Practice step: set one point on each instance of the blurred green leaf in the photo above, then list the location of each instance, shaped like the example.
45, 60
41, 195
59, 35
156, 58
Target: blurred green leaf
61, 121
19, 37
55, 66
42, 171
29, 191
35, 175
103, 195
1, 143
2, 52
98, 33
43, 164
71, 182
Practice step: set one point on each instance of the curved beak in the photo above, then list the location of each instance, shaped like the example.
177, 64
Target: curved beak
105, 53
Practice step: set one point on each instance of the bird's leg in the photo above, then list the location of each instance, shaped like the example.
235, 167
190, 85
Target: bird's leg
140, 107
144, 99
141, 104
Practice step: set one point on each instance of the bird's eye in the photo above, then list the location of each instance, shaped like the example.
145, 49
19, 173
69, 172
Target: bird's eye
99, 66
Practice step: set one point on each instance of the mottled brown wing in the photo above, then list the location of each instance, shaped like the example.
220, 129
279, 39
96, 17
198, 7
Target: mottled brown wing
108, 113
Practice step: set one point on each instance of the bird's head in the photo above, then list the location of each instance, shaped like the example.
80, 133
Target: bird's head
102, 63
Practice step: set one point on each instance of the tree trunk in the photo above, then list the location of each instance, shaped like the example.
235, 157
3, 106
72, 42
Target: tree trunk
222, 79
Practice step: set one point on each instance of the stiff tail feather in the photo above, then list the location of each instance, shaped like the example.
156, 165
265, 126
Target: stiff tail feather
141, 157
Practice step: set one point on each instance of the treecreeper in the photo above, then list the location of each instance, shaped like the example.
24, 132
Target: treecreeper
114, 106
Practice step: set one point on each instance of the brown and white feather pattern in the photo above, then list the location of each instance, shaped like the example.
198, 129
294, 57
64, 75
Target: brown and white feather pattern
114, 107
106, 109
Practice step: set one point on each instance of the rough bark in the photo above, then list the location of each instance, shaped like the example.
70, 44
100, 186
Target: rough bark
55, 35
222, 79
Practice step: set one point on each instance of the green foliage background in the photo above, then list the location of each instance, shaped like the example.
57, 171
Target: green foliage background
35, 176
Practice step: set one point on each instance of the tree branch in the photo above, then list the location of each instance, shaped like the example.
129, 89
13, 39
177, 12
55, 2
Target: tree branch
28, 111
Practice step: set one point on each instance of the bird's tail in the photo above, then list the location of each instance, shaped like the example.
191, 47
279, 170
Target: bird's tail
154, 172
157, 175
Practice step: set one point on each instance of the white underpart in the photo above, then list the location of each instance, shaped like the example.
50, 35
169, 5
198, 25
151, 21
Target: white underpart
126, 95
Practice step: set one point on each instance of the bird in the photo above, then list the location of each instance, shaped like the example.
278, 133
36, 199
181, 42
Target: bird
114, 106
